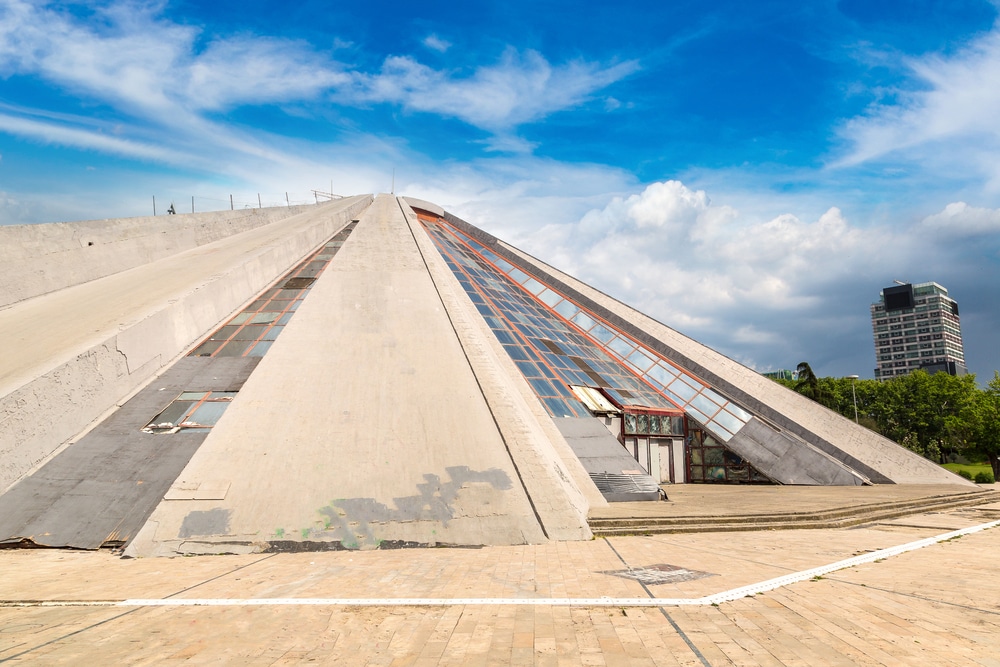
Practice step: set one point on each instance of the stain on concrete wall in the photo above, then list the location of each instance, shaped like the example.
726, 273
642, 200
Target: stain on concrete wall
210, 522
350, 520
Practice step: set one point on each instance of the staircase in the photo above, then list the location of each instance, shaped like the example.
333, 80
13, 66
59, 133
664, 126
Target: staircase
834, 518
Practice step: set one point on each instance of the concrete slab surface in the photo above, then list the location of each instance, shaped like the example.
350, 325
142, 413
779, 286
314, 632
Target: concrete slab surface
380, 432
937, 605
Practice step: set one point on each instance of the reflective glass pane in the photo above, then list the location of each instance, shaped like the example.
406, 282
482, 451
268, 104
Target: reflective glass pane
265, 318
517, 275
622, 347
558, 408
241, 318
250, 332
260, 349
713, 396
273, 332
567, 309
583, 320
715, 474
630, 423
640, 360
549, 298
661, 373
207, 414
642, 424
703, 404
224, 333
192, 395
697, 415
682, 389
533, 286
222, 396
729, 422
740, 413
173, 414
234, 348
696, 456
654, 423
720, 430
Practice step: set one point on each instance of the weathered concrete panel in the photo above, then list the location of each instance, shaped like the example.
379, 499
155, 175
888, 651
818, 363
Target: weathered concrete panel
364, 422
38, 259
603, 457
788, 460
72, 354
103, 487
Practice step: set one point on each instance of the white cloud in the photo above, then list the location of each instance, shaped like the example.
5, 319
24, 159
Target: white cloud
959, 218
87, 138
946, 118
144, 65
520, 88
245, 70
435, 43
759, 287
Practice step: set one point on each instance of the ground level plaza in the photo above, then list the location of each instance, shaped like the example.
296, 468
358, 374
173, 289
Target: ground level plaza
570, 603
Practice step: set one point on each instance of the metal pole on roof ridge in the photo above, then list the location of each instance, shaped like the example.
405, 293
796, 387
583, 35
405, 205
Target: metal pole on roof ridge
287, 203
854, 394
259, 205
231, 203
192, 203
154, 205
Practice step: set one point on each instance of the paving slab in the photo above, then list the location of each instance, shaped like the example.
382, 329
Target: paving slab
936, 605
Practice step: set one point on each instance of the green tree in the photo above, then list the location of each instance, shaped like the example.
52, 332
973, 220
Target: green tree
981, 424
810, 386
924, 412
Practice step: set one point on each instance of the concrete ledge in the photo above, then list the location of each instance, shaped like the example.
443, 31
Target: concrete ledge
44, 408
38, 259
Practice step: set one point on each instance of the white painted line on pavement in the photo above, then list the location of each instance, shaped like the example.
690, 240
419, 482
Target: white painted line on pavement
716, 598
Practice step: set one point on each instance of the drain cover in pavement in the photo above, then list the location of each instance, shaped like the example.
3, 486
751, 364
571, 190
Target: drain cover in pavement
660, 574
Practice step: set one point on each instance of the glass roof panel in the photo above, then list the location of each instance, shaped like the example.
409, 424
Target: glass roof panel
727, 421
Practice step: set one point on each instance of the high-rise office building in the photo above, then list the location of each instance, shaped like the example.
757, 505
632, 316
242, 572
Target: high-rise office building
916, 326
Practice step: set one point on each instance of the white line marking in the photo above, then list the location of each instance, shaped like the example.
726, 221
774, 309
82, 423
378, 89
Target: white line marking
717, 598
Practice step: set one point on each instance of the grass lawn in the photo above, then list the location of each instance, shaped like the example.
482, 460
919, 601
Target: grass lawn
972, 468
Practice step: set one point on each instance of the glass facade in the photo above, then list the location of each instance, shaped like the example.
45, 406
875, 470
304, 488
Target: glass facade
657, 382
557, 343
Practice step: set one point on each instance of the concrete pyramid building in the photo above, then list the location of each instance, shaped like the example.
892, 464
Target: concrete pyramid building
430, 385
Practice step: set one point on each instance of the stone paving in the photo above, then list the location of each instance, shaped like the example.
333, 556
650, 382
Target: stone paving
939, 605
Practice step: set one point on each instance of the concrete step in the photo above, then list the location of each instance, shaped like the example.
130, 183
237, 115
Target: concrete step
835, 518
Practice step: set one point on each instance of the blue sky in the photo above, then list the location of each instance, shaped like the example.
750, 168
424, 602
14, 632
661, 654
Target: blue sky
749, 173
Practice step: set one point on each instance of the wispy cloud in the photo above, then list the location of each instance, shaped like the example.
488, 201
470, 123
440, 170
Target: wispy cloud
949, 106
153, 69
48, 131
435, 43
521, 88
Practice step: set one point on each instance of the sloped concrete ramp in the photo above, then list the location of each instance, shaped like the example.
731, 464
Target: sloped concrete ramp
365, 426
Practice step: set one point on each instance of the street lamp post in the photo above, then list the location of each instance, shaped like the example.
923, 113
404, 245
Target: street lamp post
854, 395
